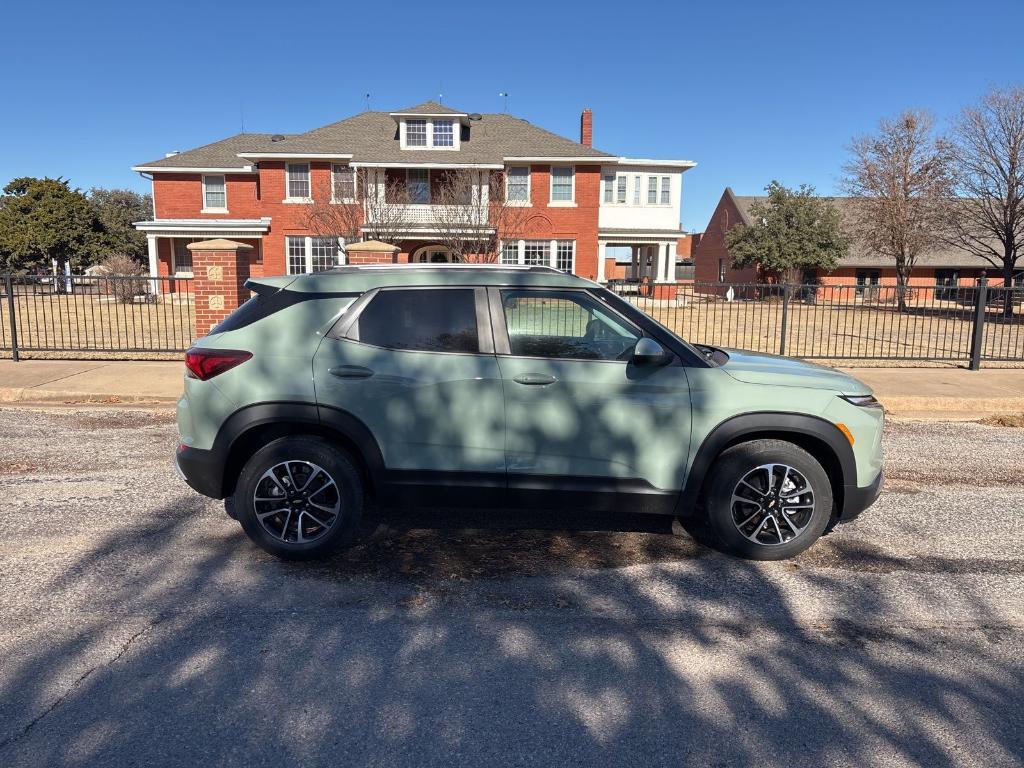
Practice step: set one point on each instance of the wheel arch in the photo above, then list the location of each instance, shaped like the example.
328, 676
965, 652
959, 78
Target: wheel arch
819, 437
249, 429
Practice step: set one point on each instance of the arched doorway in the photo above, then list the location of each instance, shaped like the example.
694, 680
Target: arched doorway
433, 254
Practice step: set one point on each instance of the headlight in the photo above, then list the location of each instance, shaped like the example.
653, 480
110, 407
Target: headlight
864, 401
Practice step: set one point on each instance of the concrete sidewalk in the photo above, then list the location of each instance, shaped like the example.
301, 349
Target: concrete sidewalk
914, 393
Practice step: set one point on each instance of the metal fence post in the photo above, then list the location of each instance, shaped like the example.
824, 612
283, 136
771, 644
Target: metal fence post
9, 288
978, 329
785, 313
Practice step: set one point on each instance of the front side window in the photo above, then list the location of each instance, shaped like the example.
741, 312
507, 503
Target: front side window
652, 190
510, 252
666, 190
444, 133
442, 320
721, 270
620, 195
417, 185
215, 195
343, 180
298, 180
296, 247
609, 187
519, 184
415, 133
636, 190
561, 184
568, 325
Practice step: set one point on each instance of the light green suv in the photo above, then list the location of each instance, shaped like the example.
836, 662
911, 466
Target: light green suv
509, 386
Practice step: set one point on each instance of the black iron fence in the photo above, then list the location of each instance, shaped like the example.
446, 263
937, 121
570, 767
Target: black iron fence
100, 316
143, 317
968, 324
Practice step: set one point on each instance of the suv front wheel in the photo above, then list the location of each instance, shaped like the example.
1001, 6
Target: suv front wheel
299, 498
768, 499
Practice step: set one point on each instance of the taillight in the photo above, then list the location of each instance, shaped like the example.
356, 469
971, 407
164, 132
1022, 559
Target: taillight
204, 364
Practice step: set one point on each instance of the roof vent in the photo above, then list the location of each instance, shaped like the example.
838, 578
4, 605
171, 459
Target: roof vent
475, 116
277, 137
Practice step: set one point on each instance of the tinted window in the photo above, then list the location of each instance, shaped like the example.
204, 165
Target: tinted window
565, 324
261, 306
421, 320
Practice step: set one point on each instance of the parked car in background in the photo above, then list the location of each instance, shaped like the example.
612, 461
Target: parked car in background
509, 386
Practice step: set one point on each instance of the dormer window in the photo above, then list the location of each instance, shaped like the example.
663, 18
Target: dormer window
430, 132
444, 133
416, 133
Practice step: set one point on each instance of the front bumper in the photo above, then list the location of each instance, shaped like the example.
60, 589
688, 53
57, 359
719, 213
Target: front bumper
857, 499
203, 471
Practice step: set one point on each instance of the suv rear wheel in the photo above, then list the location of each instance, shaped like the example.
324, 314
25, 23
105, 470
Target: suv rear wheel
768, 499
299, 498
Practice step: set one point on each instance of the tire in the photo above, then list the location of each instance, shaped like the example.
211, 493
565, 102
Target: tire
270, 505
782, 519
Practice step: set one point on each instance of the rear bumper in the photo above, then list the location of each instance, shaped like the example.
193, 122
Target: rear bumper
203, 471
857, 499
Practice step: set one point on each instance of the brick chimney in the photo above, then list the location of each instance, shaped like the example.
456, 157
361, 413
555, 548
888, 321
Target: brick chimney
587, 127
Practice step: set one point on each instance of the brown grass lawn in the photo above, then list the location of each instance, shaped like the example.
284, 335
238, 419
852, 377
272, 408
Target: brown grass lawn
98, 326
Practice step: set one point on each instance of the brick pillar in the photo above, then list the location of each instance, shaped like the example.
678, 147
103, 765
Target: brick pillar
371, 252
220, 269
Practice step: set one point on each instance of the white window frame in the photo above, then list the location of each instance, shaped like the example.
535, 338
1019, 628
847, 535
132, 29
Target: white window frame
608, 180
519, 250
403, 133
307, 250
621, 191
652, 190
638, 190
665, 190
288, 198
334, 168
215, 209
529, 187
433, 133
570, 203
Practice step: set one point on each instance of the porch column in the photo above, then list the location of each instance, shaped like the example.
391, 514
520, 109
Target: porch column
661, 265
154, 263
602, 251
220, 269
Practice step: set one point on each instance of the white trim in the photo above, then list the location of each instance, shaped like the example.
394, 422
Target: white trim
428, 114
294, 156
480, 166
192, 169
528, 202
175, 272
249, 226
428, 122
340, 256
343, 200
153, 250
653, 164
202, 182
582, 160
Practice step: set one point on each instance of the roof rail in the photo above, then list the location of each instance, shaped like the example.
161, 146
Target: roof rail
496, 267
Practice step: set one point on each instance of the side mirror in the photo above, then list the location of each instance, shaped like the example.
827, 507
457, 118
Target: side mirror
649, 352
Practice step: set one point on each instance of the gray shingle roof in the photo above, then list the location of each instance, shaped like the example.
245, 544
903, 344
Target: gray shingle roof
428, 108
219, 154
372, 137
944, 256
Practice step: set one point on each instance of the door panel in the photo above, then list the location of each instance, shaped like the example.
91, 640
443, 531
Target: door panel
428, 411
595, 418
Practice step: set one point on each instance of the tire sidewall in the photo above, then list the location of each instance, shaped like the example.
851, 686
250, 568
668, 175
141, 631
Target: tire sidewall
733, 464
335, 462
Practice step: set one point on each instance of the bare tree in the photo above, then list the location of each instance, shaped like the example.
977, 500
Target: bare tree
357, 206
987, 219
899, 181
472, 214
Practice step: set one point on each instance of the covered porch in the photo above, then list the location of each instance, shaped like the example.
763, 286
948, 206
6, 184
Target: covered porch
636, 258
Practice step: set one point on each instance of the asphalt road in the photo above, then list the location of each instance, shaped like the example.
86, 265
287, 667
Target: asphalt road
139, 627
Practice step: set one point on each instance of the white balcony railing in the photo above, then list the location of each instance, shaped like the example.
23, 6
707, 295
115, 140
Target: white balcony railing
426, 216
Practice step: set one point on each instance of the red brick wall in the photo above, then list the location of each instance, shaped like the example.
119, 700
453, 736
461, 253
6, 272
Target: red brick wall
216, 299
712, 247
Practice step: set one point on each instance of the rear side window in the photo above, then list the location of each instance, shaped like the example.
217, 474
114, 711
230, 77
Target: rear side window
424, 320
261, 306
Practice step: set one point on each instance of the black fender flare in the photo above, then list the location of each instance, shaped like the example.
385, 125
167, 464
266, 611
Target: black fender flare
772, 424
319, 419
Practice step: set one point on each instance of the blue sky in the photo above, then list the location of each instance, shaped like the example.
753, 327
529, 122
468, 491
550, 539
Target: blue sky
751, 91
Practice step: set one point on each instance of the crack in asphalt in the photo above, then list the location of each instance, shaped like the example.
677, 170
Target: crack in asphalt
81, 679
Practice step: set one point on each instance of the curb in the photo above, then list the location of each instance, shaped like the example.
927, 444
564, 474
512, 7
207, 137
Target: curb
950, 408
32, 395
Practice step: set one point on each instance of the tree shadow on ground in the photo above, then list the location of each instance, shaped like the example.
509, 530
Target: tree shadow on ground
218, 654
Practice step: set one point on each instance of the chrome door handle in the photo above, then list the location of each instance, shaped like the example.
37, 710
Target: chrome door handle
350, 372
535, 379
